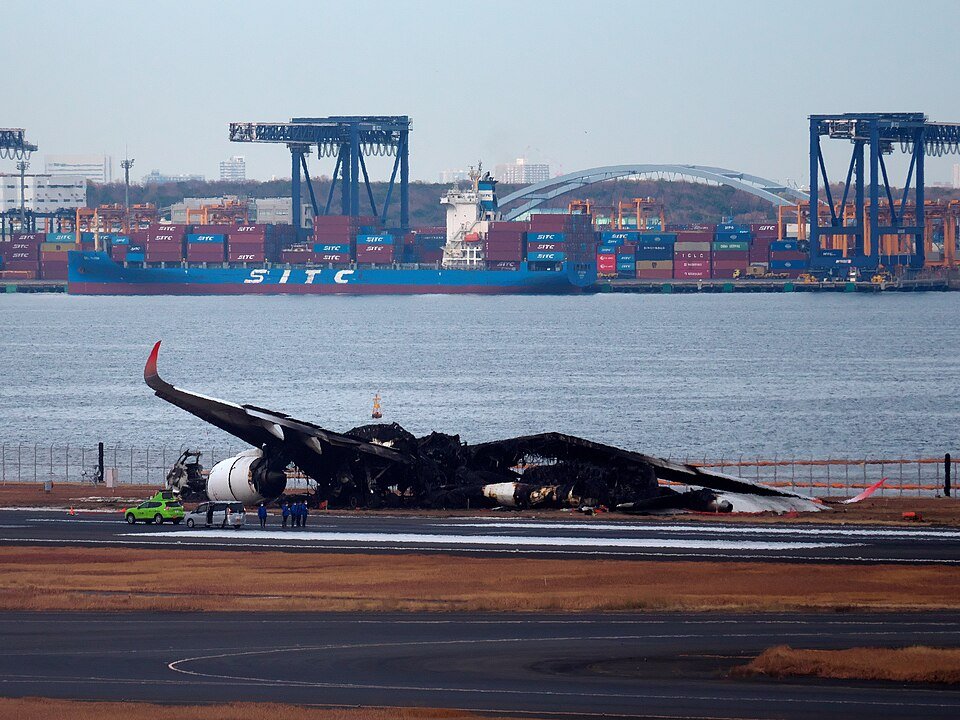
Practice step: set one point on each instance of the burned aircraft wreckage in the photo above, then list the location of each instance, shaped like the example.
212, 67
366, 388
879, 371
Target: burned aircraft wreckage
383, 465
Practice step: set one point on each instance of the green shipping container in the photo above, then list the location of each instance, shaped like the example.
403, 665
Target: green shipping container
739, 246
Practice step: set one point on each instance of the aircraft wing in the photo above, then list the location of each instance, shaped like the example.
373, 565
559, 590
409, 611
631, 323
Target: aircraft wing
260, 426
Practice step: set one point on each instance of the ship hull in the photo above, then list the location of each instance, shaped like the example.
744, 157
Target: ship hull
94, 273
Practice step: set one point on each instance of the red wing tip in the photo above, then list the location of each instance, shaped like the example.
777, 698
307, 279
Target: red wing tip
151, 367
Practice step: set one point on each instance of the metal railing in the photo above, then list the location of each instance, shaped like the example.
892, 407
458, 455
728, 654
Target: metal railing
37, 462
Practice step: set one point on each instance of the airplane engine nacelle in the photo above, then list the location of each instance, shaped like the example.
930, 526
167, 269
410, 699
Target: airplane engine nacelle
247, 478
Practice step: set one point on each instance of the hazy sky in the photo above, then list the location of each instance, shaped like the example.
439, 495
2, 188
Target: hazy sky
575, 84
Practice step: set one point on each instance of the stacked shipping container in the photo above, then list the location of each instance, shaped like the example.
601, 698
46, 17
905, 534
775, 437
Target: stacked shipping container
692, 255
20, 255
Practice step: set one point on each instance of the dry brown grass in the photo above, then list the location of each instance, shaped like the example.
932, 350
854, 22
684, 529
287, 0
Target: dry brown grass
45, 709
41, 578
910, 664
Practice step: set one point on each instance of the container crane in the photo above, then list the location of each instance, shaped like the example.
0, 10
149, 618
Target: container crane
349, 139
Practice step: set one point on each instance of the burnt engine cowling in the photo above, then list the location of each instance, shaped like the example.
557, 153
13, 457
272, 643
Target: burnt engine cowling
250, 477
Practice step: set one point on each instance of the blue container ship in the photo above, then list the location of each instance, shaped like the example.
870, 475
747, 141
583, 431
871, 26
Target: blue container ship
469, 264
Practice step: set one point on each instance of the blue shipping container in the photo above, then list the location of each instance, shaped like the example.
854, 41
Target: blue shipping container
788, 264
320, 248
86, 237
618, 236
134, 257
732, 228
62, 237
375, 239
121, 240
784, 246
193, 238
627, 258
732, 236
545, 237
545, 256
831, 253
657, 239
654, 253
607, 250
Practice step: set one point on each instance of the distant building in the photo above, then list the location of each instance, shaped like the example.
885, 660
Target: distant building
43, 193
234, 169
522, 172
97, 168
956, 175
155, 177
448, 177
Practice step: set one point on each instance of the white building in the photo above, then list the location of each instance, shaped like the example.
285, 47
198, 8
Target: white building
43, 193
522, 172
234, 169
98, 168
956, 175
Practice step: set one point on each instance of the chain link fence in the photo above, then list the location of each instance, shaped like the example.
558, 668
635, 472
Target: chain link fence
36, 462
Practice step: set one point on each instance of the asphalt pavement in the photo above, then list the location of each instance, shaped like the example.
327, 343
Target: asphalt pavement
613, 665
500, 534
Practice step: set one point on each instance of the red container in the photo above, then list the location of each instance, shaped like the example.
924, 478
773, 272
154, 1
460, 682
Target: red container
158, 255
205, 252
246, 254
21, 265
768, 230
20, 250
139, 237
53, 256
694, 236
725, 274
245, 233
18, 274
692, 255
431, 255
606, 264
681, 274
654, 274
729, 264
501, 255
727, 256
335, 258
119, 252
53, 270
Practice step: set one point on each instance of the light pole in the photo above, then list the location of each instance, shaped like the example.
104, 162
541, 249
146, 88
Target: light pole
126, 165
22, 167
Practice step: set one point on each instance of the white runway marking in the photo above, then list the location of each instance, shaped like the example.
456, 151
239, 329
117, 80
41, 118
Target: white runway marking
511, 540
708, 528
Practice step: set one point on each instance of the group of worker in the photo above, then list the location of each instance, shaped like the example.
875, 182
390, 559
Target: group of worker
296, 513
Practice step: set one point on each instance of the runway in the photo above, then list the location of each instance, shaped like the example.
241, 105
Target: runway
498, 535
621, 665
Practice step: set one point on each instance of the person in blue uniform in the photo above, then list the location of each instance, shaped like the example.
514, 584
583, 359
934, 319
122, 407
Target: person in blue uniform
262, 514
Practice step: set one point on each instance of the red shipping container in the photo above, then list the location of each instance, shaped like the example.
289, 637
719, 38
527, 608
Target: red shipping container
691, 274
725, 273
763, 230
18, 274
694, 236
336, 258
606, 263
246, 255
498, 255
730, 265
205, 252
119, 252
692, 255
431, 255
654, 274
154, 255
53, 270
21, 265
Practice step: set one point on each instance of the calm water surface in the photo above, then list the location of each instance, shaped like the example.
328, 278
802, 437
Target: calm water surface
705, 375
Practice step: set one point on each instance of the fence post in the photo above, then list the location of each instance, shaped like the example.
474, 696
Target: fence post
946, 475
100, 471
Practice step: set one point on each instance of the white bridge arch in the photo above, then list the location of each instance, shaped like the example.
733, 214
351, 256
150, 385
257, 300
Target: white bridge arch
534, 195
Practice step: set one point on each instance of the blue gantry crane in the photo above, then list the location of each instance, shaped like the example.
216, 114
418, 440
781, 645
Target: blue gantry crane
914, 134
350, 139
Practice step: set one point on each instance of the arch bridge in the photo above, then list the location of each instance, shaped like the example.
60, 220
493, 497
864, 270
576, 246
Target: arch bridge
533, 196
